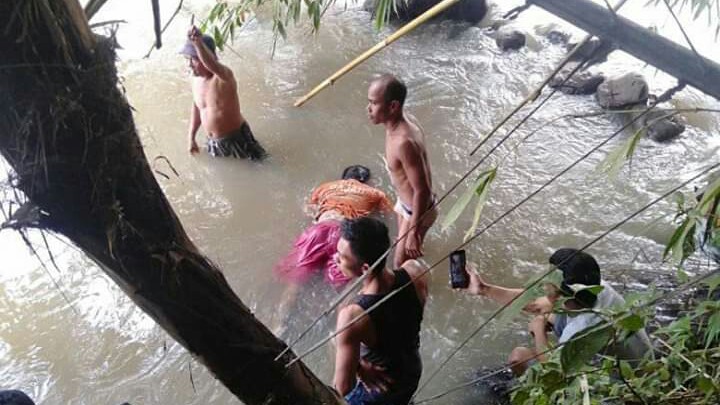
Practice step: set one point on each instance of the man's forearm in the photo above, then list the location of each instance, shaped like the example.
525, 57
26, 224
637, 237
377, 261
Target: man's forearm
205, 56
541, 345
421, 202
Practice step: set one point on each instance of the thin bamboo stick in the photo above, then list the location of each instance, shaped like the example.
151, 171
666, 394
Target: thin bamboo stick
422, 18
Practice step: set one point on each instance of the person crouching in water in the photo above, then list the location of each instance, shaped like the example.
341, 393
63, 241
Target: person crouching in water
215, 103
579, 270
377, 359
313, 250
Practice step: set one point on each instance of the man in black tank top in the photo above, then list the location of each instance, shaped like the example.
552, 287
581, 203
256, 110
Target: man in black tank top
377, 360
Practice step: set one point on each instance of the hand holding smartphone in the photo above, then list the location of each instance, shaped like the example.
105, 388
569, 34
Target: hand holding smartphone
459, 277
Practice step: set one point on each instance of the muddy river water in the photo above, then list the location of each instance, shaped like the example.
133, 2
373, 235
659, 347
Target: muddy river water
70, 336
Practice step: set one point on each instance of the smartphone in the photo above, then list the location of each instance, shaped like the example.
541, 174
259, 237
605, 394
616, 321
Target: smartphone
458, 275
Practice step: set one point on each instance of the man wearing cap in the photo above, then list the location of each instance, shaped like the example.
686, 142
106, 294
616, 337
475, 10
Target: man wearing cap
215, 103
580, 270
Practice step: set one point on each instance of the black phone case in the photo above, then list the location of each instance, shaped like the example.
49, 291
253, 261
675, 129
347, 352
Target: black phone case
458, 275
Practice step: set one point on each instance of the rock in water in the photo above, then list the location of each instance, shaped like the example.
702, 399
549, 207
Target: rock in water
580, 83
508, 38
15, 397
466, 10
661, 128
596, 51
620, 91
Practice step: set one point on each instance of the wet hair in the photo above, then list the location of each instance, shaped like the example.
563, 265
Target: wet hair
395, 89
368, 239
356, 172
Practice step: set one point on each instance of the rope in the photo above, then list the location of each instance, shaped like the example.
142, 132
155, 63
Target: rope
574, 338
475, 236
537, 281
536, 93
699, 57
353, 286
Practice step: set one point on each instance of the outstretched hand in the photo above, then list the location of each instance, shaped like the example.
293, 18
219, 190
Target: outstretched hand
477, 285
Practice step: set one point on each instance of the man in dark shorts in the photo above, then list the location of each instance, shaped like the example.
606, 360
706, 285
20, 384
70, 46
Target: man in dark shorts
215, 103
378, 359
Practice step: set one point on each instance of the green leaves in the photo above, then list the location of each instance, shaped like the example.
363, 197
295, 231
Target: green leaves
383, 12
615, 160
704, 214
578, 351
631, 323
225, 17
711, 9
479, 188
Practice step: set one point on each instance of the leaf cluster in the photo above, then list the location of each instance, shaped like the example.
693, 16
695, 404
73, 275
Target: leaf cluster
709, 8
699, 225
684, 370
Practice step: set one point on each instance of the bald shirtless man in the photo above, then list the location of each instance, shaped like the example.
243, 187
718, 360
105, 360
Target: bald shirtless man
215, 103
407, 163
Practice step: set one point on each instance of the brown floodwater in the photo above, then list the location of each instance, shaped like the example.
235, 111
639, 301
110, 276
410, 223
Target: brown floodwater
70, 336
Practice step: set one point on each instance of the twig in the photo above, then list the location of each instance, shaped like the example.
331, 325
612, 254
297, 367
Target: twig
167, 24
103, 23
627, 383
192, 381
574, 338
156, 23
699, 57
536, 93
47, 272
475, 236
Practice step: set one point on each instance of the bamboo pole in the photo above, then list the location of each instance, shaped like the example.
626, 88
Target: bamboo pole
421, 19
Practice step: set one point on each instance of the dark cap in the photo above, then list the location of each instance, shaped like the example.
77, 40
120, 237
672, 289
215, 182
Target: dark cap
577, 268
189, 48
357, 172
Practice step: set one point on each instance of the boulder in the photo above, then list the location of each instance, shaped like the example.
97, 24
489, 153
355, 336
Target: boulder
466, 10
620, 91
662, 129
595, 49
583, 82
508, 37
14, 397
557, 37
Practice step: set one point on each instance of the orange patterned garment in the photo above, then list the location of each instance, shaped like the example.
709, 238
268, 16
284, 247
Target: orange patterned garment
350, 198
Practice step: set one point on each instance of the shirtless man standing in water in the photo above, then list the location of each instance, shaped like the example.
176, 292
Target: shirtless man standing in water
407, 163
215, 103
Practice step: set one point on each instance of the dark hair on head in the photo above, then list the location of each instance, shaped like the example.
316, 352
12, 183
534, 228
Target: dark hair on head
356, 172
368, 239
395, 89
578, 267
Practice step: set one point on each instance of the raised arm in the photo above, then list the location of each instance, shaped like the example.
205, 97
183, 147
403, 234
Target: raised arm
208, 58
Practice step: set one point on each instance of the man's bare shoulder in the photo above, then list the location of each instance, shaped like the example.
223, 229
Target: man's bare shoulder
226, 74
346, 316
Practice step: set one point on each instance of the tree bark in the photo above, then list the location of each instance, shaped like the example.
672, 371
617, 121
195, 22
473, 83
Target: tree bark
68, 133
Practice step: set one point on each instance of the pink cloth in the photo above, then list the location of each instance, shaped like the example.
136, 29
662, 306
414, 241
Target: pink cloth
313, 251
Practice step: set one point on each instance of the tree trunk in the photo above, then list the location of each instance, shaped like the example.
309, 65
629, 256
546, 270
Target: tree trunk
68, 133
